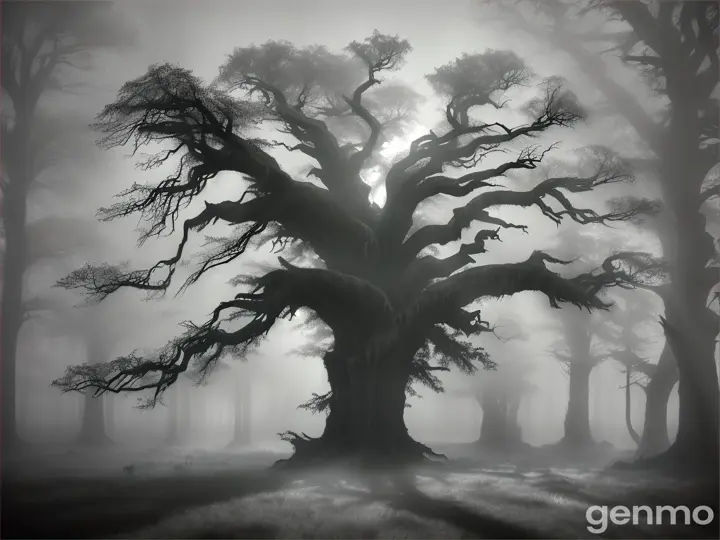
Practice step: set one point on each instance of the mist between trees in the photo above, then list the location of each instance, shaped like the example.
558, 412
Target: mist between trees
420, 254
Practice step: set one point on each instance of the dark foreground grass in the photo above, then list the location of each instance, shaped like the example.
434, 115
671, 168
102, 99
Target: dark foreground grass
236, 496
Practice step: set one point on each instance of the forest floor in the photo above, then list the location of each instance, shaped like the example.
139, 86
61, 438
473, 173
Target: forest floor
233, 495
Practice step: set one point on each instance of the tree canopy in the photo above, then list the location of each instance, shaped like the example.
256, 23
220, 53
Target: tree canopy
366, 271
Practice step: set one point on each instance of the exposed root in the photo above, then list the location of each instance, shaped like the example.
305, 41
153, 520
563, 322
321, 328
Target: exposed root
320, 451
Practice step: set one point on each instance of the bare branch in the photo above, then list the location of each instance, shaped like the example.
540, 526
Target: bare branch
476, 209
278, 294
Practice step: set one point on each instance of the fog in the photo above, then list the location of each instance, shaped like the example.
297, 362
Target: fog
165, 33
242, 405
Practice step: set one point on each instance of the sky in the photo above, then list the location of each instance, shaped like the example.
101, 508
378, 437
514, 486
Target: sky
198, 36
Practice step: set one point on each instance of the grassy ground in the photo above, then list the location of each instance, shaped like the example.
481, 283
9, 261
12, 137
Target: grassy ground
223, 495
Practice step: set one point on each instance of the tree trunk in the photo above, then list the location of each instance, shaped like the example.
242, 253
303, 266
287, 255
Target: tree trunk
499, 429
366, 422
577, 418
696, 444
655, 439
92, 432
14, 265
20, 170
692, 326
628, 407
11, 324
493, 429
598, 421
514, 432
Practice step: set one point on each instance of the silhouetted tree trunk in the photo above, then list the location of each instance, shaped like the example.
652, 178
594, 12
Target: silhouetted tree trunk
691, 326
577, 418
367, 411
92, 430
514, 432
499, 429
696, 443
366, 415
655, 439
493, 428
628, 407
14, 213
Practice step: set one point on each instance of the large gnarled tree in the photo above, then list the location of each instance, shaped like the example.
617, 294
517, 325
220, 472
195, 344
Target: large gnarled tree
397, 314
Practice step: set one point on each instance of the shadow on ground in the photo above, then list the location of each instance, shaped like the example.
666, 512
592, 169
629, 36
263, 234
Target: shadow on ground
103, 507
235, 496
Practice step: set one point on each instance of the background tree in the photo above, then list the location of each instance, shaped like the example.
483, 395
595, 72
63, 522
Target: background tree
391, 307
100, 329
578, 353
178, 403
629, 336
499, 393
580, 347
673, 46
91, 326
42, 42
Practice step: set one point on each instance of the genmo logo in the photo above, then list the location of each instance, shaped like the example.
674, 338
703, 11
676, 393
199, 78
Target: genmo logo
599, 517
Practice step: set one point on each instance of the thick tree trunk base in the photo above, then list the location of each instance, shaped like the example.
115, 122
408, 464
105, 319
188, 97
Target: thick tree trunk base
375, 454
576, 444
652, 448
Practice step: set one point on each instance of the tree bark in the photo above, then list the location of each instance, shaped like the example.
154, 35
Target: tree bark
693, 327
655, 439
366, 422
696, 444
577, 418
